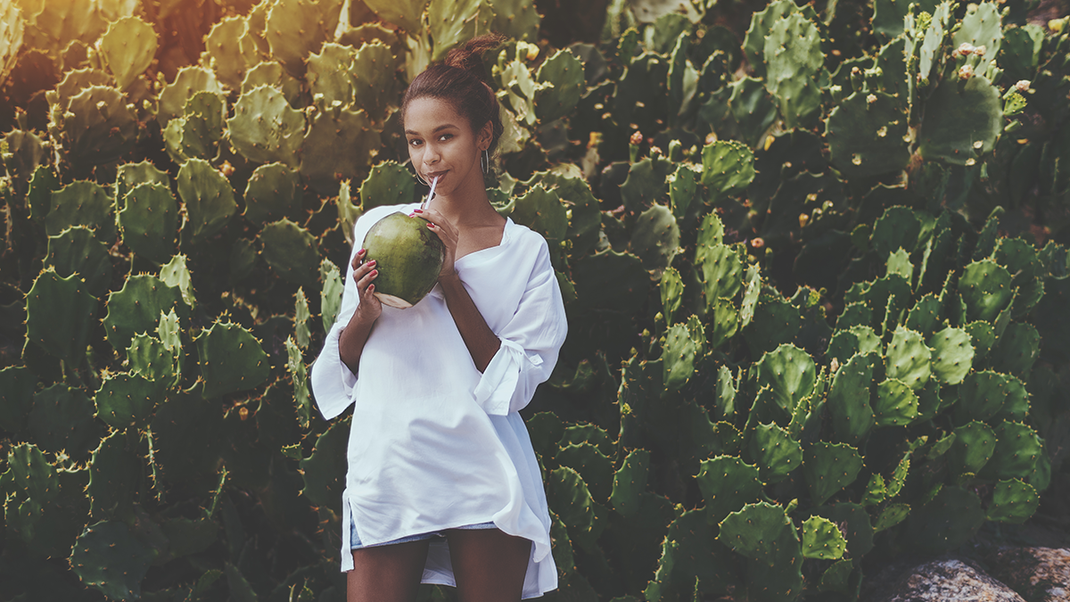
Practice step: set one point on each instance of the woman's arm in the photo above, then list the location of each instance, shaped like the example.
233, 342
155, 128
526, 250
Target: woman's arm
481, 341
353, 337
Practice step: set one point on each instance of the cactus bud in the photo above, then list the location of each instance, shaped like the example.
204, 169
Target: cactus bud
803, 220
757, 243
871, 98
1022, 85
966, 72
965, 49
979, 50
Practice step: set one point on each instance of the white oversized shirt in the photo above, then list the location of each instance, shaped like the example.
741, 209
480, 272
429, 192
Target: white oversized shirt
435, 444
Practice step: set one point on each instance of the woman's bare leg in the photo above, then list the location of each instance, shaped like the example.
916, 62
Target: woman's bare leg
488, 564
387, 573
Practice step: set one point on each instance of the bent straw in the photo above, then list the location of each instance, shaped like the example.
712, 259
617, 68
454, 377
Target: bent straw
431, 193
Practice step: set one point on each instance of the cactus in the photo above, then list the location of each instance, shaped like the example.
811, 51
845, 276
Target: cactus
330, 293
793, 60
302, 316
1022, 261
848, 398
683, 344
775, 452
176, 273
565, 74
961, 124
765, 535
136, 308
12, 28
570, 496
154, 360
328, 77
1012, 502
271, 73
407, 15
947, 521
821, 539
1017, 349
231, 359
888, 15
898, 228
277, 142
129, 175
646, 184
81, 203
174, 96
629, 481
908, 358
985, 287
198, 132
388, 183
329, 131
1016, 453
111, 559
97, 126
775, 321
375, 86
829, 467
299, 376
972, 448
231, 50
655, 238
207, 196
722, 272
16, 397
295, 29
592, 465
980, 28
126, 400
857, 339
39, 198
896, 404
790, 374
149, 221
924, 317
127, 49
727, 168
671, 288
867, 135
76, 251
59, 313
761, 25
62, 420
273, 192
952, 356
542, 211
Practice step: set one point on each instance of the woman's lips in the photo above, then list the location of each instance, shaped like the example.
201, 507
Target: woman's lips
434, 174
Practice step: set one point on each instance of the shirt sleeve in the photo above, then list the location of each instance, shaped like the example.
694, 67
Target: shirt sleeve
530, 343
332, 380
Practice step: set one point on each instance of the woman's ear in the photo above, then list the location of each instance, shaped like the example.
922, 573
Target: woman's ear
485, 135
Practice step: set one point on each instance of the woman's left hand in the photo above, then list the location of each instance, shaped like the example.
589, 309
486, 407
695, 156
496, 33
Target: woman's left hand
447, 233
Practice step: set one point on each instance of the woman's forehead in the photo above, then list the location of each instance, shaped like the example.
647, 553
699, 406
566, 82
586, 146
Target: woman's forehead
431, 113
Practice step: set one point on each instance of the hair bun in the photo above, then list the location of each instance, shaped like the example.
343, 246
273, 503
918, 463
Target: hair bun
470, 56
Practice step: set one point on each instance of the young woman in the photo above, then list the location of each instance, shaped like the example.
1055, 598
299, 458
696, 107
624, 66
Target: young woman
443, 485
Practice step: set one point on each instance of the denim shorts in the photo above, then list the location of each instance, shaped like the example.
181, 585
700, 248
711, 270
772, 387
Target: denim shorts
356, 545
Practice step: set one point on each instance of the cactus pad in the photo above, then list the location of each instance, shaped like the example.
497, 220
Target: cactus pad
81, 203
908, 358
790, 373
111, 559
290, 250
208, 198
793, 60
282, 136
376, 88
727, 167
867, 135
848, 398
231, 359
274, 191
565, 72
16, 397
655, 238
329, 131
76, 250
126, 400
722, 272
756, 530
62, 420
952, 355
127, 49
821, 539
1013, 502
629, 482
1017, 450
137, 308
896, 403
971, 449
829, 467
230, 50
149, 221
59, 314
297, 29
775, 452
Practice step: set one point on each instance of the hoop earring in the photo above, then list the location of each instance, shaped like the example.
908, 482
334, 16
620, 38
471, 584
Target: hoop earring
484, 161
419, 179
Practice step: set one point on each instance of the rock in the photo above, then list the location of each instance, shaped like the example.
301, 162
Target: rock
945, 580
1038, 574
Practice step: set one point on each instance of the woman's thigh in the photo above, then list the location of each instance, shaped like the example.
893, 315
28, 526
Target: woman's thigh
388, 573
488, 564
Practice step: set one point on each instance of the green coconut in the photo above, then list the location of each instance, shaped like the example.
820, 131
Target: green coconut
408, 256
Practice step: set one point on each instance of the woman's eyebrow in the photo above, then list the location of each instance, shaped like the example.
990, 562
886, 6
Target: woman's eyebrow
446, 126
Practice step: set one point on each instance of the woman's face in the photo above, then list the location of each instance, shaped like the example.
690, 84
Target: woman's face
442, 144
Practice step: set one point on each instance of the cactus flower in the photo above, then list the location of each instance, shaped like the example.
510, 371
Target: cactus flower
965, 49
870, 99
757, 243
636, 139
1022, 85
965, 72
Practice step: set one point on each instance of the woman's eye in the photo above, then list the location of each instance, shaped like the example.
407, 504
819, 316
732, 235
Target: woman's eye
445, 137
414, 142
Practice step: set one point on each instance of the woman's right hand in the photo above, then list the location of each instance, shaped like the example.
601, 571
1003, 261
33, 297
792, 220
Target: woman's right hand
364, 273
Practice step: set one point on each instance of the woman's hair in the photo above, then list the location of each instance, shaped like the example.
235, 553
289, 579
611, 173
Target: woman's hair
461, 81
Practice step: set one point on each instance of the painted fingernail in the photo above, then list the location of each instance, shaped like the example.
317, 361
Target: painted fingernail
418, 211
432, 226
372, 262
